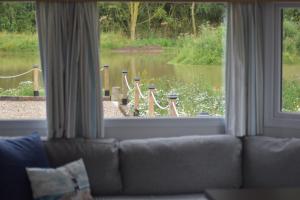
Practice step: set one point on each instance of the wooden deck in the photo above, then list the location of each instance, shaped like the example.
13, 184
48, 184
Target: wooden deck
16, 109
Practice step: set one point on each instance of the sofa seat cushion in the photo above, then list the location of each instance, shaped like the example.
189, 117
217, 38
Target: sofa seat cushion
179, 165
271, 162
101, 159
151, 197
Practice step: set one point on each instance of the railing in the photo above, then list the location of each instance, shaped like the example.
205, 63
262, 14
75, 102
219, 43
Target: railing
125, 88
138, 95
35, 78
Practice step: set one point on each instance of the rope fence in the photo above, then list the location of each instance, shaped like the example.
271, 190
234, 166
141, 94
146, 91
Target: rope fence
125, 89
157, 104
35, 78
127, 84
16, 76
151, 99
140, 92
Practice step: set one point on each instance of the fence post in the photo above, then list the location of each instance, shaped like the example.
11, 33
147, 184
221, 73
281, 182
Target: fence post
172, 103
151, 101
106, 81
124, 88
136, 96
35, 80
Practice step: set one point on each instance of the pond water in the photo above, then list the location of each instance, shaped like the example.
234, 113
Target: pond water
148, 66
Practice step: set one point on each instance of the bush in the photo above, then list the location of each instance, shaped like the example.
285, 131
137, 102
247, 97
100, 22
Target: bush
205, 49
24, 89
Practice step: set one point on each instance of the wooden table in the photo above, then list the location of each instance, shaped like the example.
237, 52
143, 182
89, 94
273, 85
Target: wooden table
254, 194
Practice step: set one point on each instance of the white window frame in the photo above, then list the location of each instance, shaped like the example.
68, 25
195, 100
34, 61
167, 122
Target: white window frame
274, 117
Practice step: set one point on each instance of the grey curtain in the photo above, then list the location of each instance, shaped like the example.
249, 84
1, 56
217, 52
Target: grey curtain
68, 38
244, 69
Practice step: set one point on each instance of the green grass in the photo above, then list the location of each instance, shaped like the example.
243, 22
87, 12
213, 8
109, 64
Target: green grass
18, 42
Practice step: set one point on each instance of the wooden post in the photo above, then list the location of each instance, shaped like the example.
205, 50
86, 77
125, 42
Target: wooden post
106, 81
136, 96
35, 80
172, 100
151, 102
124, 88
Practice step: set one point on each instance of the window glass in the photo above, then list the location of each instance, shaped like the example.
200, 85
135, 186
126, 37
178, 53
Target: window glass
21, 86
172, 51
291, 60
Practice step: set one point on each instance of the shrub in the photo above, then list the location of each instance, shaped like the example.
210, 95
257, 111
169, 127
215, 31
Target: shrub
205, 49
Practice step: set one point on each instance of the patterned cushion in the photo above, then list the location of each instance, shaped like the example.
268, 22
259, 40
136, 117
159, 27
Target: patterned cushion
69, 182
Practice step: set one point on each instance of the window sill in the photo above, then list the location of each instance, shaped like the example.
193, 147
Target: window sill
129, 128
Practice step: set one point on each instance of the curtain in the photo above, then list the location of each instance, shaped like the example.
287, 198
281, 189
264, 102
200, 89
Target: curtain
68, 39
244, 69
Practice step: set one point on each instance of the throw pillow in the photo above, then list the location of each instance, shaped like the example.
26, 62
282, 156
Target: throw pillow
15, 155
69, 182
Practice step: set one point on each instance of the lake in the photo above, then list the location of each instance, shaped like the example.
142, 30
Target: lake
148, 66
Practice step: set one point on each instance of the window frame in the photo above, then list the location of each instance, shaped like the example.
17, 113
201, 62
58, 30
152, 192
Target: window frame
274, 117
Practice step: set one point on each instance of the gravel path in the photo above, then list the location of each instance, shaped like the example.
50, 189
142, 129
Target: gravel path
37, 109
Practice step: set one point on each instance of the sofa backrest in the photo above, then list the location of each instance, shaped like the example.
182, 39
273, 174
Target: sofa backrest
180, 165
101, 158
271, 162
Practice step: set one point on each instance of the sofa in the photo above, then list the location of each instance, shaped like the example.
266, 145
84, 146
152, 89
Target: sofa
180, 168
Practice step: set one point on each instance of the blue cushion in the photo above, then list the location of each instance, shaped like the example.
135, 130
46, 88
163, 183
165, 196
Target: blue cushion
15, 155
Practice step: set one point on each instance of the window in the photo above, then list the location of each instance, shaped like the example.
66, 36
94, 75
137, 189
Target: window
21, 86
290, 60
281, 69
178, 48
172, 51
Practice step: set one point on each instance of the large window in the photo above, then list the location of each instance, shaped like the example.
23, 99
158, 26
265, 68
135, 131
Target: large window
173, 51
162, 59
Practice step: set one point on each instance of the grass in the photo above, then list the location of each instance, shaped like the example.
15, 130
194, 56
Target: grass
18, 42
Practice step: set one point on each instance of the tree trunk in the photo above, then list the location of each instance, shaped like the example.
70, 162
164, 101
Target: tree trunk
193, 19
134, 11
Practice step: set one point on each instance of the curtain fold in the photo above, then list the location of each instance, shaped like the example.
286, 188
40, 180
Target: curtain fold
68, 39
244, 69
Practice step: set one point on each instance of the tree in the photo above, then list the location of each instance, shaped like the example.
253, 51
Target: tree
134, 11
193, 19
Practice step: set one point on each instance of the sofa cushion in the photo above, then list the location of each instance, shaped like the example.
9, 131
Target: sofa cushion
271, 162
180, 165
163, 197
15, 155
100, 157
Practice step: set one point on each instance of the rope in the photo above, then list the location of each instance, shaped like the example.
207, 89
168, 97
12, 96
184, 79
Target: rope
140, 92
175, 109
15, 76
155, 101
127, 84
